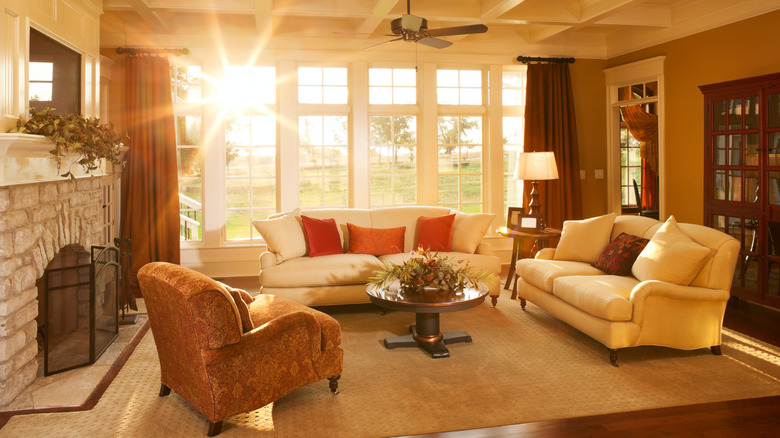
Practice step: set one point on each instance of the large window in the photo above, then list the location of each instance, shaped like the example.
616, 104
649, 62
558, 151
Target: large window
393, 141
513, 99
186, 94
460, 163
392, 86
323, 159
459, 87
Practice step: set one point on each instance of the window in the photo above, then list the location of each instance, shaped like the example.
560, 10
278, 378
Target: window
185, 90
322, 85
392, 86
323, 156
630, 147
513, 99
249, 99
459, 87
250, 174
460, 163
393, 155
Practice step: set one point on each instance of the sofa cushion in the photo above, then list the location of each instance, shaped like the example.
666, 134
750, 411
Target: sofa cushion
468, 229
670, 256
266, 307
322, 235
283, 236
620, 254
435, 233
542, 273
329, 270
603, 296
585, 240
375, 241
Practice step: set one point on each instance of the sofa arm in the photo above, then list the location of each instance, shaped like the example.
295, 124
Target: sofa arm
545, 254
484, 248
652, 295
267, 260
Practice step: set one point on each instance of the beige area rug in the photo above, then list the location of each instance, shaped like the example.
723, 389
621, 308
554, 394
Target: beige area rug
521, 367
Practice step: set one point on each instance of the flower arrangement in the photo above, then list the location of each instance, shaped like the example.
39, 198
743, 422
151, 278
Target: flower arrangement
87, 137
428, 269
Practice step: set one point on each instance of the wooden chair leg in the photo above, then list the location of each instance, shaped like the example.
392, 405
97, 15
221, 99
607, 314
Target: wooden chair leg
334, 384
716, 350
164, 390
613, 357
215, 428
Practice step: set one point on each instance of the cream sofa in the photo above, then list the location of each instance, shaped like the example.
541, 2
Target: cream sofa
622, 311
286, 270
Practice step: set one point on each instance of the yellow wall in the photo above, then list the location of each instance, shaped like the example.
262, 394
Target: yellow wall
587, 81
744, 49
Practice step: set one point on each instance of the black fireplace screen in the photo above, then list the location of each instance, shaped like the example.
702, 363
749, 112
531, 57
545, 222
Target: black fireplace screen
80, 306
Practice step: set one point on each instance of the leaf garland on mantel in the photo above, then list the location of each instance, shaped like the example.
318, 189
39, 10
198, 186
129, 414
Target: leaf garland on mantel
89, 139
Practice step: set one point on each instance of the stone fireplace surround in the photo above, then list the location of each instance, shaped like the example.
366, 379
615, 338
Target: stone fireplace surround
36, 220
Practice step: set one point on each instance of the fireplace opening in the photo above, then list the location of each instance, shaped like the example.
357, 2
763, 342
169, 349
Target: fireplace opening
78, 306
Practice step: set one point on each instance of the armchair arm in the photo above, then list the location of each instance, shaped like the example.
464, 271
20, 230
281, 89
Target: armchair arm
545, 254
267, 260
271, 334
650, 296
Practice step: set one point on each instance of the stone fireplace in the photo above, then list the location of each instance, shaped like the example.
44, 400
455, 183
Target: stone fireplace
37, 219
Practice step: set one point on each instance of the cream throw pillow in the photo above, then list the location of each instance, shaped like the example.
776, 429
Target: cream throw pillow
283, 236
670, 256
469, 229
585, 240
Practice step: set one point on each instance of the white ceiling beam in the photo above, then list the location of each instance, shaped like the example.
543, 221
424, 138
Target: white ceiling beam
148, 15
496, 8
642, 15
603, 8
378, 14
263, 19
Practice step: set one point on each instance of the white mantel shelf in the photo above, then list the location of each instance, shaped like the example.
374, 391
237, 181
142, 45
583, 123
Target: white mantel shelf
25, 158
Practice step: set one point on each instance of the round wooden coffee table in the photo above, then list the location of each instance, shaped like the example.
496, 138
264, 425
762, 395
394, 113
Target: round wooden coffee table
425, 333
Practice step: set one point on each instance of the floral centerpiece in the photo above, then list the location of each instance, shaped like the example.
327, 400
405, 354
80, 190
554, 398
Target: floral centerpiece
429, 270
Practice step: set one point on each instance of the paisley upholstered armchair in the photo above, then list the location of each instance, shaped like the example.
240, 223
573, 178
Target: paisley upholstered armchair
227, 353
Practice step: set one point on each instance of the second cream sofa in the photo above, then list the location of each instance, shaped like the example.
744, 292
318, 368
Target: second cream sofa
286, 270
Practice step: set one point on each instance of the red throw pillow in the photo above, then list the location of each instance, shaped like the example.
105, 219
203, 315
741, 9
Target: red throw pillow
435, 233
621, 254
375, 241
322, 236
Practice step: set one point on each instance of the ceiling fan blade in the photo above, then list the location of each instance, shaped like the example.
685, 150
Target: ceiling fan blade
411, 22
434, 42
383, 42
458, 30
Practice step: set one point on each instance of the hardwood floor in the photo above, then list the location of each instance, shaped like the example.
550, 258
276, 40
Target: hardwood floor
738, 418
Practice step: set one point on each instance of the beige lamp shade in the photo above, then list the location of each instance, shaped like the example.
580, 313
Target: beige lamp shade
536, 166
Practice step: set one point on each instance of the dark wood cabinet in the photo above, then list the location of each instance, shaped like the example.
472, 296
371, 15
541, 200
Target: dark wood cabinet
742, 178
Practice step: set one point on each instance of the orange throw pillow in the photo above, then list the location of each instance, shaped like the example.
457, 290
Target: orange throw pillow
375, 241
435, 233
322, 235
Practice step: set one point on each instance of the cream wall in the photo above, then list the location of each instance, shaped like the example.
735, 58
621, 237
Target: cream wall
744, 49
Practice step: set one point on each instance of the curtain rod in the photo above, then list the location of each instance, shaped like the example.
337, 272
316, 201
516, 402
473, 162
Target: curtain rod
527, 59
146, 50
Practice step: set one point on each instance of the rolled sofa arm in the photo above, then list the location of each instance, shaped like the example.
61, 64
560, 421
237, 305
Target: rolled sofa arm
484, 248
267, 260
655, 296
545, 254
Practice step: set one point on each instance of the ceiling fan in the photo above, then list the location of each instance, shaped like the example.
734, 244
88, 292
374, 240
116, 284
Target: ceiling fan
415, 29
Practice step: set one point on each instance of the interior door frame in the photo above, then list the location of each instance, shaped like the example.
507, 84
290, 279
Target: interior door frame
647, 70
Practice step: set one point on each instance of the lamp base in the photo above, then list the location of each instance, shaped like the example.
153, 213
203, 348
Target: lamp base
535, 207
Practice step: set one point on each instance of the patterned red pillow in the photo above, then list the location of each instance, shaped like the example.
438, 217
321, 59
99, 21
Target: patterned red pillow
620, 255
375, 241
435, 233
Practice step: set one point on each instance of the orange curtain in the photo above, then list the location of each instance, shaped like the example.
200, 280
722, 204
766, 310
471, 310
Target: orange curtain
644, 128
550, 125
150, 200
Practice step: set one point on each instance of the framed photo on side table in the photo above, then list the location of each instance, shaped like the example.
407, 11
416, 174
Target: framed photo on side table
518, 220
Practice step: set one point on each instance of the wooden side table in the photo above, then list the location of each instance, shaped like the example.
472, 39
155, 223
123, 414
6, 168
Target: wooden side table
540, 241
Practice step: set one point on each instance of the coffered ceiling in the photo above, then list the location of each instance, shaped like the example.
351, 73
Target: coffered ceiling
581, 28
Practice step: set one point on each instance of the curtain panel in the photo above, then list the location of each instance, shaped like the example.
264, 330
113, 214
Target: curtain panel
550, 125
150, 192
644, 128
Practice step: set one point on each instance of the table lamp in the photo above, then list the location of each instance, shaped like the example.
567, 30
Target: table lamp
535, 166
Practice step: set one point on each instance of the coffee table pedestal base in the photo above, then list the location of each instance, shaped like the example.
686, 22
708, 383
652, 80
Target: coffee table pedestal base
426, 335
